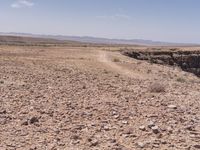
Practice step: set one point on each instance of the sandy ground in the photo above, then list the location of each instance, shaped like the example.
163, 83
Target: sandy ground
93, 99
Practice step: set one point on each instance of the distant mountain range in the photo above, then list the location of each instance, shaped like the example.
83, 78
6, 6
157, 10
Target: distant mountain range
96, 40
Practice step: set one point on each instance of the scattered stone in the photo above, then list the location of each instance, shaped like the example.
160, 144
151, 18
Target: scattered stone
33, 147
164, 142
3, 112
159, 135
197, 146
114, 113
113, 141
151, 124
25, 123
155, 146
3, 121
155, 129
125, 135
143, 128
140, 144
116, 116
93, 142
85, 103
172, 106
106, 128
33, 120
169, 129
75, 142
75, 137
128, 131
118, 146
152, 116
190, 128
57, 131
125, 122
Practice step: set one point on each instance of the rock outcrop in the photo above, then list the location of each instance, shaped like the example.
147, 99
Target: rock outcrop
187, 60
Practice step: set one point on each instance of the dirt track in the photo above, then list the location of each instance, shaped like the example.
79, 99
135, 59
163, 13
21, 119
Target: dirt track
88, 98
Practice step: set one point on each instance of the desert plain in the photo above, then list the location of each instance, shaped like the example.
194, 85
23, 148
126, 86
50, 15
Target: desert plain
87, 97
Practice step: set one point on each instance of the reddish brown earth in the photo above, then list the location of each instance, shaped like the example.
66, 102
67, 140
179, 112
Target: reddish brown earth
92, 99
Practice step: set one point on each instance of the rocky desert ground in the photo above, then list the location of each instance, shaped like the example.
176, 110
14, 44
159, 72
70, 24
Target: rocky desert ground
94, 98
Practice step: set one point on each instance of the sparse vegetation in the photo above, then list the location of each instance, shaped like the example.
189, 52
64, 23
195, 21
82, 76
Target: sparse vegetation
173, 49
182, 80
116, 60
157, 88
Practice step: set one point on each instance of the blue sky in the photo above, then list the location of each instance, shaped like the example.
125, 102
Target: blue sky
160, 20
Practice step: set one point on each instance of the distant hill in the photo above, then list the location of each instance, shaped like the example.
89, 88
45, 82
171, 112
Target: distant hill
96, 40
21, 39
32, 41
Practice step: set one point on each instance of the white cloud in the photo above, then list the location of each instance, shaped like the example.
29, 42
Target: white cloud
115, 17
22, 3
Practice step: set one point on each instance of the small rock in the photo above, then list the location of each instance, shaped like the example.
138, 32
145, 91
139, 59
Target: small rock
190, 128
93, 142
31, 108
155, 146
125, 122
25, 123
128, 131
151, 124
172, 106
116, 116
169, 129
142, 128
75, 137
75, 142
197, 146
114, 113
3, 121
125, 135
57, 131
34, 120
152, 115
3, 112
33, 147
159, 135
140, 144
106, 128
164, 142
113, 141
155, 129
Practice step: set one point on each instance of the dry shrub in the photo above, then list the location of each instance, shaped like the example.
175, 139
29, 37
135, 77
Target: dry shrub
116, 60
182, 80
157, 87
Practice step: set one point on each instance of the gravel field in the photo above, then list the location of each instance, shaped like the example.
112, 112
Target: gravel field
88, 98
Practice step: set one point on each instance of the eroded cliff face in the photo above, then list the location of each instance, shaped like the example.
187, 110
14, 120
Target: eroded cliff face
187, 60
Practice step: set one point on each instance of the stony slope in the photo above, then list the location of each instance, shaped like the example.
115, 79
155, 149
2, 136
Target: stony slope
88, 99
